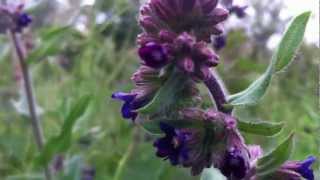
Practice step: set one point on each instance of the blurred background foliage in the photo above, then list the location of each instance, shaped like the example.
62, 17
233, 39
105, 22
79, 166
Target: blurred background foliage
90, 49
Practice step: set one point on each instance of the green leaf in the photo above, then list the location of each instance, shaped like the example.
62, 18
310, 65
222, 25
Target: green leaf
260, 128
166, 95
51, 44
62, 142
284, 55
291, 41
211, 174
273, 160
254, 92
153, 126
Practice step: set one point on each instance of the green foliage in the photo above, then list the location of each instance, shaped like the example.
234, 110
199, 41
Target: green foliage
62, 142
212, 174
283, 56
51, 43
167, 95
99, 61
273, 160
260, 128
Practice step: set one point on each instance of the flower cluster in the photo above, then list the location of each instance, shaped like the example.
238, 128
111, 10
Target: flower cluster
13, 18
175, 56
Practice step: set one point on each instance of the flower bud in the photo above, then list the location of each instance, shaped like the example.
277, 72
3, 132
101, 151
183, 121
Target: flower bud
187, 65
153, 55
235, 163
219, 42
296, 170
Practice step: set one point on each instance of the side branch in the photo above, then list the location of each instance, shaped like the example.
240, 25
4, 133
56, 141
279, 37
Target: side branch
217, 93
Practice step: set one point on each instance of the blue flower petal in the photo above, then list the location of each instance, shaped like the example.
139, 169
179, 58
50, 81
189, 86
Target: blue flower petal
305, 168
126, 97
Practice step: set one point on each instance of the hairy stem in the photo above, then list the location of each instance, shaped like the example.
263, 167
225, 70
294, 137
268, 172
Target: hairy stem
35, 122
123, 161
217, 93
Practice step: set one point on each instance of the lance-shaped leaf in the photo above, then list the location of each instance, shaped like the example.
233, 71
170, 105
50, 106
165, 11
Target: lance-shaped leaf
62, 142
283, 56
50, 43
166, 95
273, 160
260, 128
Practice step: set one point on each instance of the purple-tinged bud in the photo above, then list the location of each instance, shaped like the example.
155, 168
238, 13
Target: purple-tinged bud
173, 145
163, 11
209, 5
197, 16
184, 43
145, 38
235, 164
148, 23
187, 6
218, 15
297, 169
145, 76
167, 36
153, 55
187, 65
219, 42
255, 152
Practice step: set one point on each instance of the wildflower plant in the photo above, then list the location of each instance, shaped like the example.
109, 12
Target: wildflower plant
176, 58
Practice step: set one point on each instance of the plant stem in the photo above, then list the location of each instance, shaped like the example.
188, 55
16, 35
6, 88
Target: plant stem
217, 93
35, 122
126, 156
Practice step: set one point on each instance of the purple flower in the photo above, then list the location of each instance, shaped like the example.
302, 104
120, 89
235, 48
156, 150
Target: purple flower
202, 146
194, 58
173, 145
58, 163
298, 168
13, 18
153, 55
130, 104
235, 164
238, 11
23, 20
202, 17
88, 173
219, 42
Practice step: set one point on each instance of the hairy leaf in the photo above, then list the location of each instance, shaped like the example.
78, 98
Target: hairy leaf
273, 160
166, 96
282, 58
260, 128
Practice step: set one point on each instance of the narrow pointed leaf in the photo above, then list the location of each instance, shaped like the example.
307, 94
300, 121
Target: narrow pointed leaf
283, 56
273, 160
62, 142
260, 128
